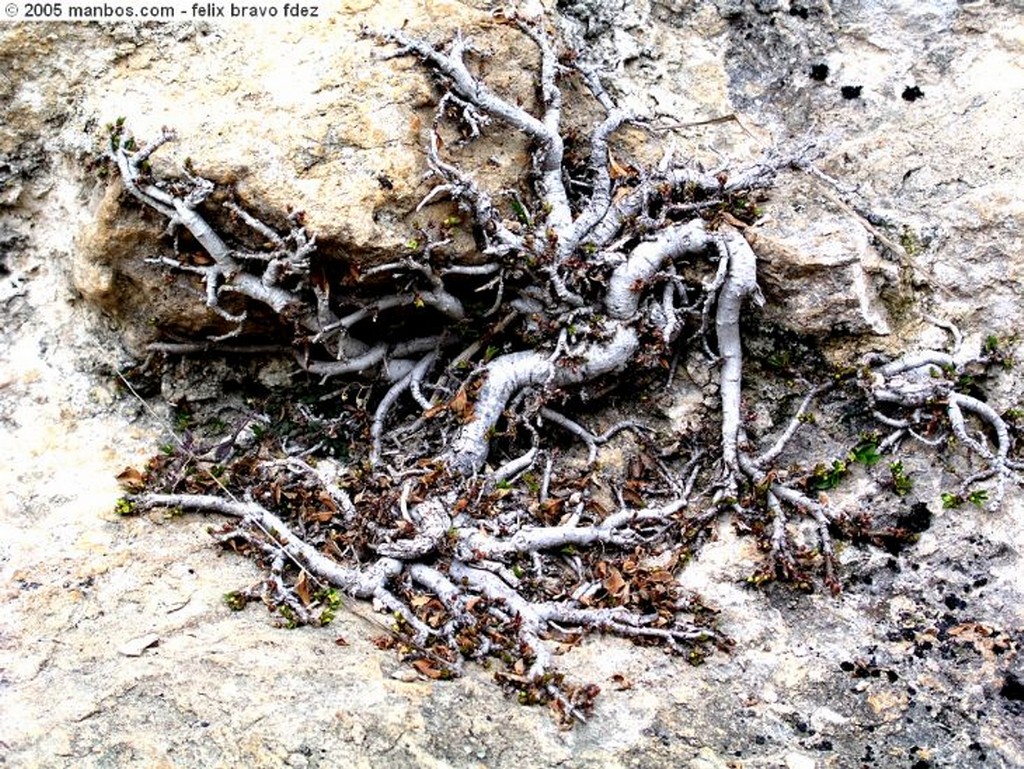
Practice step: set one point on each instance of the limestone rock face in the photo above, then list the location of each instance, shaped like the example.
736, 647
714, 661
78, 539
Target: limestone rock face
309, 117
818, 268
914, 111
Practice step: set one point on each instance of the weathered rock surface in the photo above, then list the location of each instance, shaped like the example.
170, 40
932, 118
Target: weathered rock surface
116, 649
311, 116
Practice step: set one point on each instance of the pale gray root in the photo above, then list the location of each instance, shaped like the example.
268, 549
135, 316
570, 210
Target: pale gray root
225, 271
500, 240
592, 441
432, 523
519, 465
454, 601
760, 175
628, 281
782, 553
535, 619
289, 260
740, 284
599, 283
620, 529
385, 405
929, 378
544, 131
770, 455
601, 194
216, 348
510, 373
531, 622
414, 373
368, 582
507, 374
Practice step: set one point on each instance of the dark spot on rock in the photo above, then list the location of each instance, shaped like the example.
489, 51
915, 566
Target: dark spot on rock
847, 666
819, 72
824, 745
851, 91
921, 764
798, 10
892, 675
912, 93
917, 519
1012, 688
954, 602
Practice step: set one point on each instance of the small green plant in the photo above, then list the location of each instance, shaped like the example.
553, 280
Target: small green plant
331, 600
951, 501
124, 506
825, 478
182, 420
901, 482
910, 242
978, 497
518, 209
865, 452
290, 620
235, 600
780, 359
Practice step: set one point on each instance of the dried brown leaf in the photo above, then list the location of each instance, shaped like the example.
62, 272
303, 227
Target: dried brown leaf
427, 668
131, 479
302, 589
614, 583
461, 406
622, 682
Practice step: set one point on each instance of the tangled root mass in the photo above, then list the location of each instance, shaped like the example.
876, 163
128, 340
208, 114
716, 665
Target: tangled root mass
453, 386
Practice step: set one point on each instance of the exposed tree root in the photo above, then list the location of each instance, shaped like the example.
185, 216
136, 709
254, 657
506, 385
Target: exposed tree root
453, 512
